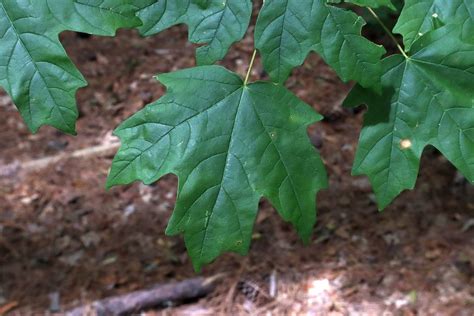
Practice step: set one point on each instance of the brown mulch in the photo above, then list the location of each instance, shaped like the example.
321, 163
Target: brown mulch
62, 234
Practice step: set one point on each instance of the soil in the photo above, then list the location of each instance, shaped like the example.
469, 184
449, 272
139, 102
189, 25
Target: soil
63, 235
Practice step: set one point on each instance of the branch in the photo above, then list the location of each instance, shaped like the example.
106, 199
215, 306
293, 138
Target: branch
12, 169
158, 296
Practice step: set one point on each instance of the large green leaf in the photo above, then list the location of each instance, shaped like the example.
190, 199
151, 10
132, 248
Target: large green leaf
287, 30
368, 3
229, 144
34, 68
216, 23
427, 99
421, 16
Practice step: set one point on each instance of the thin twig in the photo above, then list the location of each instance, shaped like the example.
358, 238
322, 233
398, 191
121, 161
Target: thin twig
388, 32
135, 302
38, 164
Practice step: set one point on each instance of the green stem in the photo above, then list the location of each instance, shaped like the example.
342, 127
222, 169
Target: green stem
385, 28
250, 67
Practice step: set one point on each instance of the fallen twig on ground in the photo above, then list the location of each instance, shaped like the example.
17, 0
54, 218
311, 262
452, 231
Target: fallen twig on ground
13, 169
159, 296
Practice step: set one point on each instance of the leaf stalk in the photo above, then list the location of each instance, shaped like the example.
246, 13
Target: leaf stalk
250, 67
390, 34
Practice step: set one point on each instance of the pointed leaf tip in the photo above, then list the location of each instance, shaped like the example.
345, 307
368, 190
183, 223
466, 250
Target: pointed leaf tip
287, 31
215, 24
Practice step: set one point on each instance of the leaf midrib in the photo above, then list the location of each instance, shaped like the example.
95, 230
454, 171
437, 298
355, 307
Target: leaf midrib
221, 186
288, 174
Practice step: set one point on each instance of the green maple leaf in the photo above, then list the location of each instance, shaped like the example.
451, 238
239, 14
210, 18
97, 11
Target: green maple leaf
216, 23
368, 3
287, 30
35, 69
428, 99
229, 144
421, 16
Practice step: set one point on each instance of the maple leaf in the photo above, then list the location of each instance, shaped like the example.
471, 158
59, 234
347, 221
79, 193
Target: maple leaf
287, 30
216, 23
421, 16
35, 69
229, 144
427, 99
369, 3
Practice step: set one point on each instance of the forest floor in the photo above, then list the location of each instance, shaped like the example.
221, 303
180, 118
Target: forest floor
63, 235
